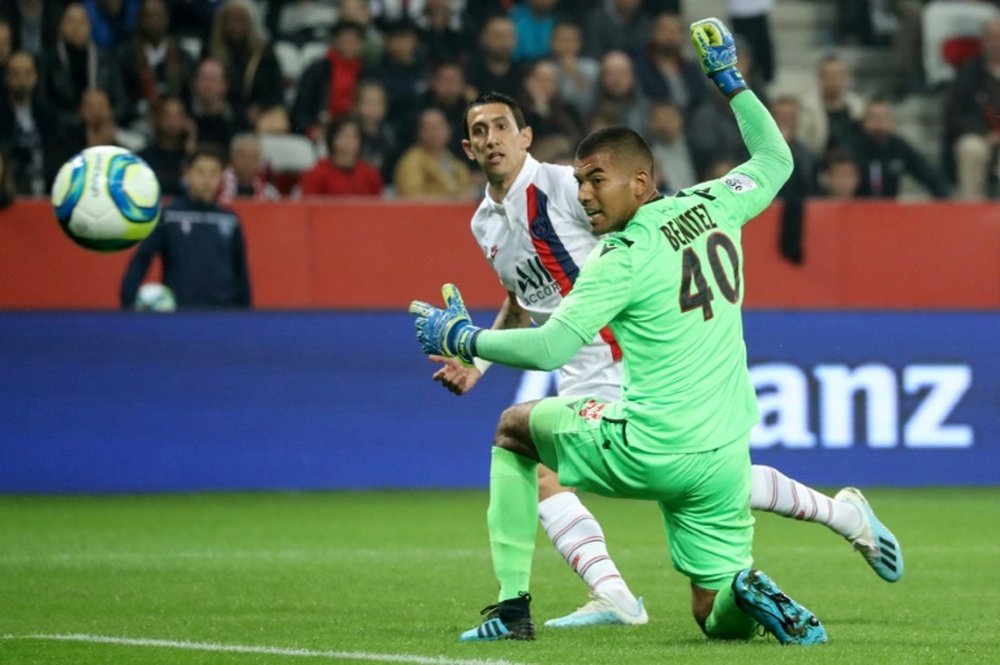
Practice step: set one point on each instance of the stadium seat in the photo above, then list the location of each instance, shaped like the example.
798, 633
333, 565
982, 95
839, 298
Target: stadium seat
287, 157
949, 27
312, 51
289, 59
959, 50
287, 152
193, 47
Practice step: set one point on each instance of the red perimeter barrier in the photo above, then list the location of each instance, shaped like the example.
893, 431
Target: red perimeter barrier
379, 255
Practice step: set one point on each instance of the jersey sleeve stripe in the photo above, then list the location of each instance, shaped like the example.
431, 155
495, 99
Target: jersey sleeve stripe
556, 259
609, 337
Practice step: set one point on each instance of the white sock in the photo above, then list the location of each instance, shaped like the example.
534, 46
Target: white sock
580, 540
775, 492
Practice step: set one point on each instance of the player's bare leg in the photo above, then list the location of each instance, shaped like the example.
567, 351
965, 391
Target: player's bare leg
580, 539
847, 513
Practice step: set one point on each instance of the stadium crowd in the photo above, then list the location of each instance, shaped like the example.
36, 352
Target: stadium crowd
359, 97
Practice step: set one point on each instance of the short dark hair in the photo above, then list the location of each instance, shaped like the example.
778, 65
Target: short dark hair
209, 151
495, 98
338, 124
838, 155
620, 140
340, 26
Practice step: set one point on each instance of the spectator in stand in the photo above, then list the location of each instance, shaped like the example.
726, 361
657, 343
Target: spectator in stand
210, 110
200, 244
449, 94
244, 178
253, 75
326, 87
972, 120
751, 20
343, 173
802, 183
7, 191
442, 32
359, 11
492, 68
75, 65
402, 73
544, 111
883, 156
93, 125
620, 25
577, 74
274, 120
112, 22
153, 63
663, 71
840, 177
673, 165
26, 124
428, 170
97, 119
6, 42
619, 98
533, 23
831, 116
34, 23
714, 137
172, 138
379, 142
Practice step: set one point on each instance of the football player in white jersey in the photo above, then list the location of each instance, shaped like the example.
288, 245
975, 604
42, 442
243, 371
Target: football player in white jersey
536, 235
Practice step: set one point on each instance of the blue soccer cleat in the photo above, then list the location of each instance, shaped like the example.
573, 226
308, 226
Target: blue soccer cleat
875, 542
784, 618
602, 610
507, 620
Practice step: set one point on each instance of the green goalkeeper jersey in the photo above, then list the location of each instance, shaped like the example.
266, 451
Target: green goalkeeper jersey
671, 286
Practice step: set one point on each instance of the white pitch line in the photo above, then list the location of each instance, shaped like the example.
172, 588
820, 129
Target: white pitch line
273, 651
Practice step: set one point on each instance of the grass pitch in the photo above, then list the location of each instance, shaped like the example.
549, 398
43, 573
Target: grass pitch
395, 576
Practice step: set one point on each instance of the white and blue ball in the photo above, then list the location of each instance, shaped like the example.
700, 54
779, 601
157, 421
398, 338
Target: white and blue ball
106, 198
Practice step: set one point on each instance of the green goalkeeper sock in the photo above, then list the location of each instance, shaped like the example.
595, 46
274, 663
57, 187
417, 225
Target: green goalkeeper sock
512, 519
727, 621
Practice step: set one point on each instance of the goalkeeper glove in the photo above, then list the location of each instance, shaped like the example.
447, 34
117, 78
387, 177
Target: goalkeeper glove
446, 332
717, 52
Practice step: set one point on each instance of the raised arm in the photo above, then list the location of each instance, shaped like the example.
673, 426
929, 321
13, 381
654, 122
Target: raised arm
770, 163
449, 332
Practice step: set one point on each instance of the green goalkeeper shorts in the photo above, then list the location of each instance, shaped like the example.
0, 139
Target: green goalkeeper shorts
704, 496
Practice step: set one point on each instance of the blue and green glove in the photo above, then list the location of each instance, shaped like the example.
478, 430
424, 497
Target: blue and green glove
449, 331
717, 52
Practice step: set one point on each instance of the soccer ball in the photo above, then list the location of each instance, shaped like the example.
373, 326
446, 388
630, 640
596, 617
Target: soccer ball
106, 198
153, 297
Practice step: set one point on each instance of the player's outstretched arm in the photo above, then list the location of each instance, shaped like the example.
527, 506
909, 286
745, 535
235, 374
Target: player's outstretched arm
459, 379
449, 332
770, 163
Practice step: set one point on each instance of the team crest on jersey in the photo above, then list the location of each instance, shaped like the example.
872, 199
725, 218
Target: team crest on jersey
540, 227
592, 410
739, 183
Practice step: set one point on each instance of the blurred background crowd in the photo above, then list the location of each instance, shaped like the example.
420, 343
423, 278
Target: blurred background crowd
877, 98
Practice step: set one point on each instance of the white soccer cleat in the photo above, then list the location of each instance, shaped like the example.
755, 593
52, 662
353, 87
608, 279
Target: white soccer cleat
602, 610
875, 542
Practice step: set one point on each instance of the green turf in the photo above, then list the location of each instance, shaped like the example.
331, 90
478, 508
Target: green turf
404, 573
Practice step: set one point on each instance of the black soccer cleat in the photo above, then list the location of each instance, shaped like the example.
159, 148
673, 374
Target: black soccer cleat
507, 620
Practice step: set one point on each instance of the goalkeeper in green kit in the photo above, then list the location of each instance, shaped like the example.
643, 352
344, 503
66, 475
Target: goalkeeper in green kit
668, 279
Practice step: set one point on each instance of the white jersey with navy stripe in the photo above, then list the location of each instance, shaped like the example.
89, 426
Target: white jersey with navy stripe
537, 239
